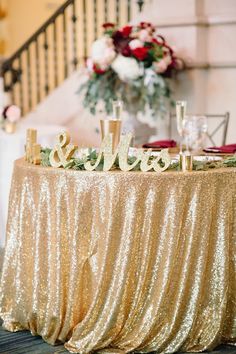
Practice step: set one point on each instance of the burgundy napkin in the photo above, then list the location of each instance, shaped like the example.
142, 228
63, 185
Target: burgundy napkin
225, 149
162, 144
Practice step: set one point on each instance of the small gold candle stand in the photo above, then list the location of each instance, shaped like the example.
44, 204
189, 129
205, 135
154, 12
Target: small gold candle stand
111, 126
9, 127
186, 162
36, 157
32, 153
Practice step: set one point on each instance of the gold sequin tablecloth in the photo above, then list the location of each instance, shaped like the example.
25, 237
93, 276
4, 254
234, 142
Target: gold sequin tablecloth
121, 261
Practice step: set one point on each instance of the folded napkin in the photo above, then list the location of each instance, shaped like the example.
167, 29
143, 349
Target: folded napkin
160, 144
225, 149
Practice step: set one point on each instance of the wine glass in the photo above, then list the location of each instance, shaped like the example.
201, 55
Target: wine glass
180, 120
195, 129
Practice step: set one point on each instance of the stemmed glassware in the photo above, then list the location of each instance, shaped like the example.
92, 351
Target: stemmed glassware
180, 120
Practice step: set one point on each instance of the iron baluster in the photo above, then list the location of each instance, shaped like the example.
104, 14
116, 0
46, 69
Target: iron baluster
29, 84
55, 54
85, 28
46, 87
128, 11
65, 45
74, 21
117, 12
105, 11
95, 19
37, 63
21, 93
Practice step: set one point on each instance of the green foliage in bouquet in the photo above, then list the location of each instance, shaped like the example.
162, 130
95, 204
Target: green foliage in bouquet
135, 95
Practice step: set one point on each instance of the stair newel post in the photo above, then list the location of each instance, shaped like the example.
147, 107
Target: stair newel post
21, 92
46, 87
85, 29
29, 83
95, 15
55, 54
65, 45
37, 67
74, 22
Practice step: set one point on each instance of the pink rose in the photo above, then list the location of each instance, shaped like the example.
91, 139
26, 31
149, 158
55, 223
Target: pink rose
144, 36
12, 113
161, 66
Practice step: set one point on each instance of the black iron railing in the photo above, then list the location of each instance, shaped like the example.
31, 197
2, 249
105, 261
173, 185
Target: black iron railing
59, 46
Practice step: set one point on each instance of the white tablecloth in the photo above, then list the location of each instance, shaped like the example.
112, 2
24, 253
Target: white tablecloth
12, 148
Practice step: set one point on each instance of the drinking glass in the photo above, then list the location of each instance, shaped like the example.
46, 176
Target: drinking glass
194, 132
180, 120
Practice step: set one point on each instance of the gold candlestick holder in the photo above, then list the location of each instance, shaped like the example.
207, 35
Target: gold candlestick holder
36, 154
111, 126
9, 127
186, 162
31, 141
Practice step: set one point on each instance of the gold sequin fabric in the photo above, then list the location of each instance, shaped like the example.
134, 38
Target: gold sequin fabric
121, 261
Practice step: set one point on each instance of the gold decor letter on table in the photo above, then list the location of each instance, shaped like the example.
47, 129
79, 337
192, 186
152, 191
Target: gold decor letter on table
63, 151
122, 151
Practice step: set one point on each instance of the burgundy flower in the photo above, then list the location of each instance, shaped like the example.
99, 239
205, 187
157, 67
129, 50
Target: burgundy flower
141, 53
108, 25
120, 42
98, 70
125, 31
126, 51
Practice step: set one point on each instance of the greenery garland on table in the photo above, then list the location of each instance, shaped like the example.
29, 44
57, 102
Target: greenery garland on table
78, 163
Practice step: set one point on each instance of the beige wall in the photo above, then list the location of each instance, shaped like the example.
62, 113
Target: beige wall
25, 17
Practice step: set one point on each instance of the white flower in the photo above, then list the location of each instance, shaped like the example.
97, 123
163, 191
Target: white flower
103, 52
135, 43
145, 36
127, 68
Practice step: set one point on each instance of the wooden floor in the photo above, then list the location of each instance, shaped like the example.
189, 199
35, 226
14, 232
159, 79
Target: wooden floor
24, 343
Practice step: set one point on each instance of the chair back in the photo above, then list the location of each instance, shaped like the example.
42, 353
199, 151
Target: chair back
217, 128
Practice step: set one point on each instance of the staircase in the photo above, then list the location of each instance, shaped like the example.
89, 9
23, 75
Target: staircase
59, 47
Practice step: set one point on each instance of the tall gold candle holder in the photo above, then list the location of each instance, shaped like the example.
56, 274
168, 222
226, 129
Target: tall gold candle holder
186, 162
31, 139
36, 154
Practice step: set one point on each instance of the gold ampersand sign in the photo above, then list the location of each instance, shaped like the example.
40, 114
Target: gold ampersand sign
63, 151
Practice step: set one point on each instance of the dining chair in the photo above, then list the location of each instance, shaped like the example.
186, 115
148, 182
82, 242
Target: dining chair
217, 127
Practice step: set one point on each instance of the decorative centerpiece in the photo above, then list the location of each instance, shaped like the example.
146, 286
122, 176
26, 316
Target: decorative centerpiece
133, 64
10, 116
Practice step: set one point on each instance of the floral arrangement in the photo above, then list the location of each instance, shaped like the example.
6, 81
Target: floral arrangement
132, 64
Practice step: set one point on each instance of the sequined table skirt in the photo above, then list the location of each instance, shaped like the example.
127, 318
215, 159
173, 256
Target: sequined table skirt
117, 262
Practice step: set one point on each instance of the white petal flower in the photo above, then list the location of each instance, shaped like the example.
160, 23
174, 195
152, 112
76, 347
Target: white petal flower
103, 51
135, 43
127, 68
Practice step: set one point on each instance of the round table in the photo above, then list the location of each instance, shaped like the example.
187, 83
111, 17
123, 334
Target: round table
121, 261
11, 148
